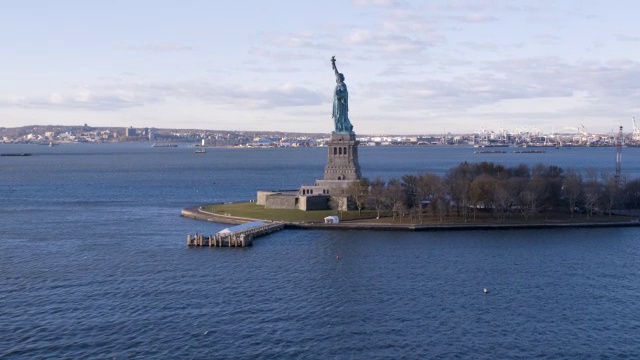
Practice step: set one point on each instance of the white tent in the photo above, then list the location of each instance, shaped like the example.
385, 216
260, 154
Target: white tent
331, 220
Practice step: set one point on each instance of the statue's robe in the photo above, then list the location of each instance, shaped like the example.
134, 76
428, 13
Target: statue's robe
341, 108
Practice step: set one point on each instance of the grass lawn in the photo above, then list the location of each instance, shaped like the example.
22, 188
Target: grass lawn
253, 211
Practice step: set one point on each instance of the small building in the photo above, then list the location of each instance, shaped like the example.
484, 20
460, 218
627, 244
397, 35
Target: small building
331, 219
292, 199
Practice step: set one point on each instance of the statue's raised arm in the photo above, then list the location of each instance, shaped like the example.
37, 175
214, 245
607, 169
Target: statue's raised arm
333, 63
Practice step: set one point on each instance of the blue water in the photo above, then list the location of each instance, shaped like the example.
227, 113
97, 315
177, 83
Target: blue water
94, 264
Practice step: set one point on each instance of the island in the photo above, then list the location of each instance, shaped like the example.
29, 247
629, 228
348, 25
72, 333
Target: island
481, 195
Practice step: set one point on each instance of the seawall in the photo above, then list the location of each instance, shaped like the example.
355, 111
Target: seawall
199, 214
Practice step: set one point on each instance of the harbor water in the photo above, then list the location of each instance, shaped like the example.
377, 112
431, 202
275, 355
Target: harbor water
93, 264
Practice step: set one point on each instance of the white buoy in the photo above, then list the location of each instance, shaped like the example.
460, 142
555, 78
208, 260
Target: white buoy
486, 291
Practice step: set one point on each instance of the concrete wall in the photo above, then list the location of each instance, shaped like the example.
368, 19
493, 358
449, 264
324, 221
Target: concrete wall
312, 190
314, 202
261, 198
342, 159
281, 201
336, 187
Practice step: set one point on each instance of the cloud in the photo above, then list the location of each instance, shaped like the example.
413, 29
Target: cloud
614, 84
378, 3
286, 95
387, 42
304, 39
475, 18
114, 98
166, 46
56, 98
489, 46
627, 38
12, 100
156, 47
358, 37
103, 100
547, 39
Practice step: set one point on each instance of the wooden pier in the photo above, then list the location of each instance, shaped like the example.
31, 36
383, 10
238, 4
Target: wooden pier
237, 236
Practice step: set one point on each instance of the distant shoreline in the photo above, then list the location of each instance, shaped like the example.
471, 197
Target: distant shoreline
198, 214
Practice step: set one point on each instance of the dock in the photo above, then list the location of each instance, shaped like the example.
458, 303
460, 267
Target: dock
236, 236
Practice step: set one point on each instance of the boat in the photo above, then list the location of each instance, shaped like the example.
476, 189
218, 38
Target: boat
529, 152
16, 154
200, 151
164, 145
489, 152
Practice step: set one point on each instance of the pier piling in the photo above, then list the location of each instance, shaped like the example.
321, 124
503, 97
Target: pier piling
240, 238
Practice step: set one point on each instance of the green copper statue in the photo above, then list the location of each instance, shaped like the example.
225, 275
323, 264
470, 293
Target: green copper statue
340, 103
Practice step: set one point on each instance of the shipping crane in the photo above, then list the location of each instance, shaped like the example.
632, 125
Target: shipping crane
635, 135
585, 135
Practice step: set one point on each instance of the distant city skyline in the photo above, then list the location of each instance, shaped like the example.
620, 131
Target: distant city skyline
412, 67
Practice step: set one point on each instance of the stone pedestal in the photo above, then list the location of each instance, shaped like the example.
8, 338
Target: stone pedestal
342, 162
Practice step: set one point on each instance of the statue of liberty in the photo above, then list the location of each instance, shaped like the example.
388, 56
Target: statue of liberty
340, 103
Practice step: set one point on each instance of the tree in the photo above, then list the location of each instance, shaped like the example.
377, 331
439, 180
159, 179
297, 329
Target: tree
376, 195
459, 180
339, 203
502, 199
592, 190
427, 188
440, 206
572, 189
409, 190
632, 194
538, 187
358, 191
550, 185
481, 192
611, 191
528, 203
394, 197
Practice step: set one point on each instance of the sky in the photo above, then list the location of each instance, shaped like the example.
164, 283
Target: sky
411, 67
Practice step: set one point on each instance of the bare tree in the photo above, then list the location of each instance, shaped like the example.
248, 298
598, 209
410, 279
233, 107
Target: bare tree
502, 200
572, 189
409, 190
440, 206
427, 187
528, 203
394, 197
632, 194
339, 203
376, 195
592, 190
611, 191
481, 192
459, 180
358, 191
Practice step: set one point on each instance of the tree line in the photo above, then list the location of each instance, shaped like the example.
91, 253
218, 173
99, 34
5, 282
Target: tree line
502, 192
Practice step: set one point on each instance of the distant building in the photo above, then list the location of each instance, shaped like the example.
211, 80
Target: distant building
130, 132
